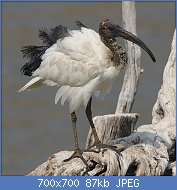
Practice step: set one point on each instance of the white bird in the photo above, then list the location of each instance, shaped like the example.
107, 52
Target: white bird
82, 62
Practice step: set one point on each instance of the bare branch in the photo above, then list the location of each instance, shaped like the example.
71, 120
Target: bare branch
133, 70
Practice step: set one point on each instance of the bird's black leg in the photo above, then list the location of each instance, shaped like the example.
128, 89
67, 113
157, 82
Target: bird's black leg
98, 144
88, 112
77, 153
73, 120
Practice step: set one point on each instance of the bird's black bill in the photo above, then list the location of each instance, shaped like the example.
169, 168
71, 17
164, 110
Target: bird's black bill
130, 37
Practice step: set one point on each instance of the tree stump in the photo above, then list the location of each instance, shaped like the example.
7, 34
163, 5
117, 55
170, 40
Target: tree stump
112, 126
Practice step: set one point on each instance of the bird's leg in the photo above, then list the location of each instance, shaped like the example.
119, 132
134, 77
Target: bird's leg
98, 144
88, 112
73, 120
77, 153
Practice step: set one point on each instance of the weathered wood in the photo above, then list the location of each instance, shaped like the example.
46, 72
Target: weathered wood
148, 147
165, 106
102, 163
157, 140
173, 168
133, 69
112, 126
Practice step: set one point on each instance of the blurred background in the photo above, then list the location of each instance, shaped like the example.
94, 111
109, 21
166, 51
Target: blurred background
33, 126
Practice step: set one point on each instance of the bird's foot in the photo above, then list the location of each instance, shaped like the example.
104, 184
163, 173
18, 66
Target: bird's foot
100, 145
78, 154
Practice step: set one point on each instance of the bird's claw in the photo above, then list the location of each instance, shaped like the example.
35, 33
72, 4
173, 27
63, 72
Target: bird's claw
100, 145
78, 154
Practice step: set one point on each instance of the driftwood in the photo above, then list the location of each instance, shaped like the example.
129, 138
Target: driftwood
133, 69
149, 150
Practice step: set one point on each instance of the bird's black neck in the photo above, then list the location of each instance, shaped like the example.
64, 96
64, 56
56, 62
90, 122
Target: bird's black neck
119, 54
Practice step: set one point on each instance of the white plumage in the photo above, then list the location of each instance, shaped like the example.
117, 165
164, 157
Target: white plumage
80, 64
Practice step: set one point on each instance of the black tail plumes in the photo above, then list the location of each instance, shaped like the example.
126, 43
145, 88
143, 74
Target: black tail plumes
34, 53
31, 66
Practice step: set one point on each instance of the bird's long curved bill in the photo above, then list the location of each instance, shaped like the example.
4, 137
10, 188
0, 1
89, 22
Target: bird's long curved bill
131, 37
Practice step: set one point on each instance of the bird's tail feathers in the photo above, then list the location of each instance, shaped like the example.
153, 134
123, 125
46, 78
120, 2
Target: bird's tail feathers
33, 83
73, 95
61, 93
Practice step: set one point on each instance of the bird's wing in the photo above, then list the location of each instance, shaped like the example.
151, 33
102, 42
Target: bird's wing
75, 60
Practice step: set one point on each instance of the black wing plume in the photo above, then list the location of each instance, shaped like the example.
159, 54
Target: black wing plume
49, 37
44, 35
31, 66
34, 53
80, 25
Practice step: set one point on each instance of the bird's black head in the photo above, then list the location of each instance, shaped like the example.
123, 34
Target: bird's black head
108, 29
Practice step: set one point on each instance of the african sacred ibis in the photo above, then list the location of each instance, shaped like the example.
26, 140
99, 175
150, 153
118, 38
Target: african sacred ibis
82, 62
